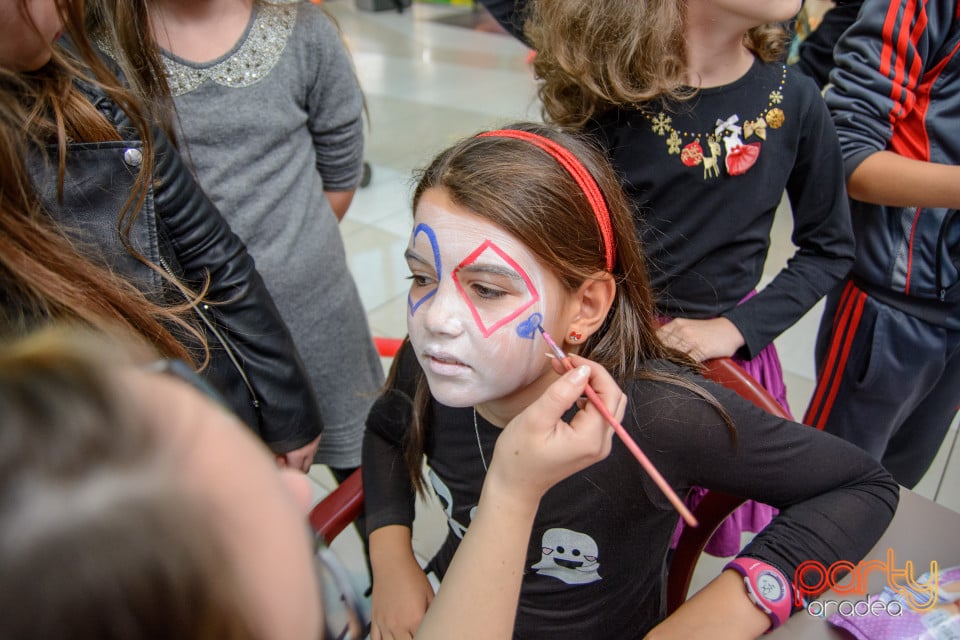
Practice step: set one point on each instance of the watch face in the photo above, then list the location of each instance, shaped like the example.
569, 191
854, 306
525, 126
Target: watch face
770, 586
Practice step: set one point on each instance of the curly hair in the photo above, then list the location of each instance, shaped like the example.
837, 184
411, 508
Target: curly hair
592, 56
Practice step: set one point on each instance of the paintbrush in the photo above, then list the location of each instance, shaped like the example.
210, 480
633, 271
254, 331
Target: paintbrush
625, 437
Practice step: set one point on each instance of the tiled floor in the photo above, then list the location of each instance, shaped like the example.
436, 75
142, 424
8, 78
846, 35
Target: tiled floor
428, 83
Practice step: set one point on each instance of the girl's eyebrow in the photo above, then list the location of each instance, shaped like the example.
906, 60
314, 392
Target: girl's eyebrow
494, 269
411, 256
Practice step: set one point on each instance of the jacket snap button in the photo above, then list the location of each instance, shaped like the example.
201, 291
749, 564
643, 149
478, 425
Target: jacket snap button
133, 157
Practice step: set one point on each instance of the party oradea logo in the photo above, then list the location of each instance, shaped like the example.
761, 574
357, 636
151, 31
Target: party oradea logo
847, 579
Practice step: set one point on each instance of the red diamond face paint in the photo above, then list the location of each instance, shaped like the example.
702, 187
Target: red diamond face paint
490, 259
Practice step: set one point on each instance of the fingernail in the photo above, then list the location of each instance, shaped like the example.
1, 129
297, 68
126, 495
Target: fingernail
550, 355
580, 374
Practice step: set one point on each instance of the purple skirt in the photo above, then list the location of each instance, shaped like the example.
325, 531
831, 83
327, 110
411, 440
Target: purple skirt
750, 516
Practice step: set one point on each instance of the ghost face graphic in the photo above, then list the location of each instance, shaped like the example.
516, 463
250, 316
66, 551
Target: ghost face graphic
569, 556
475, 292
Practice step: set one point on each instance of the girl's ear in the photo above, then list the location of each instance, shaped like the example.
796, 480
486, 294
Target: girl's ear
595, 297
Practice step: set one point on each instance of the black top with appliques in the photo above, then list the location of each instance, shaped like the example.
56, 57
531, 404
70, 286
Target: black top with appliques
596, 553
706, 232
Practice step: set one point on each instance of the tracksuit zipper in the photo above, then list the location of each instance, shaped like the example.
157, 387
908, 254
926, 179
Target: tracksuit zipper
941, 246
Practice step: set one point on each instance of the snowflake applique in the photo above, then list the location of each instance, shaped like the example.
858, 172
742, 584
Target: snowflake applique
776, 97
661, 124
673, 143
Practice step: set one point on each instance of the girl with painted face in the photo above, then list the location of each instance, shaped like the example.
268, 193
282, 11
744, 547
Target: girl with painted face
524, 228
103, 223
124, 515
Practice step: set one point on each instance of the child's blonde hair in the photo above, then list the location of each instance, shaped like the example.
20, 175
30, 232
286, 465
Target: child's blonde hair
595, 55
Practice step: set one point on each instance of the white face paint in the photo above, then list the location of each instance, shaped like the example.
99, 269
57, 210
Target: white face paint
475, 300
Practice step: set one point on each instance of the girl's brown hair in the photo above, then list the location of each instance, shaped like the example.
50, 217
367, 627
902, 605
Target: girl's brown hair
592, 56
44, 274
96, 538
123, 28
526, 192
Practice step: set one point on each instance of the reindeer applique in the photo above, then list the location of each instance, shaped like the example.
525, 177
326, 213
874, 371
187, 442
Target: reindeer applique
710, 163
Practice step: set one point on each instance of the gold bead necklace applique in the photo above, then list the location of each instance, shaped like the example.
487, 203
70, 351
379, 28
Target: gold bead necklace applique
740, 155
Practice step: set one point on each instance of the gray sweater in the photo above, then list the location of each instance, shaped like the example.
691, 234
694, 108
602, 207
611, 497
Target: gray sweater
268, 127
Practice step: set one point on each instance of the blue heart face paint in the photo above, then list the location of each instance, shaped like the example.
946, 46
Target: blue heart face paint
425, 231
528, 328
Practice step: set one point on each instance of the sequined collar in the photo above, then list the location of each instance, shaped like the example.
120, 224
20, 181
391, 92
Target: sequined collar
254, 56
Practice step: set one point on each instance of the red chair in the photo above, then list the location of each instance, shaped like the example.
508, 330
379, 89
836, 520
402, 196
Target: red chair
344, 504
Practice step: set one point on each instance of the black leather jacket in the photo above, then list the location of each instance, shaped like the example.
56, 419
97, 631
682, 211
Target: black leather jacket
253, 359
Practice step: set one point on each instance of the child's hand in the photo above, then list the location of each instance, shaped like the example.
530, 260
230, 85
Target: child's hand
537, 449
301, 458
401, 595
702, 339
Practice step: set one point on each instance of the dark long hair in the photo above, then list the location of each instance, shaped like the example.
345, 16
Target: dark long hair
527, 193
45, 276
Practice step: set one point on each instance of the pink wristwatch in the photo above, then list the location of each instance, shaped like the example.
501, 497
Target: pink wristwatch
767, 588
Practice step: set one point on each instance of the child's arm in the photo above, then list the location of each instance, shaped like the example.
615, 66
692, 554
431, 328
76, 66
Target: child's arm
702, 339
719, 611
822, 227
401, 591
300, 458
881, 63
835, 501
888, 178
340, 201
334, 110
478, 597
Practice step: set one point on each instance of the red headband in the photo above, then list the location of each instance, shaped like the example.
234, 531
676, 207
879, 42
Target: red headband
579, 173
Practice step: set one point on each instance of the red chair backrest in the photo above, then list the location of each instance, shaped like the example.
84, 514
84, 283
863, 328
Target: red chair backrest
339, 508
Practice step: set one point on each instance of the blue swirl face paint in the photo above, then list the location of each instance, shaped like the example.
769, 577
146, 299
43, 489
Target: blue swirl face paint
528, 328
432, 238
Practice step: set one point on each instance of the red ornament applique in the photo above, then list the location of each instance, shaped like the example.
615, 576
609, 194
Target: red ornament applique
692, 154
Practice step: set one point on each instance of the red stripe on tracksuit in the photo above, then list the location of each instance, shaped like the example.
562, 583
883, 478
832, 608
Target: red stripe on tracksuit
849, 313
896, 60
840, 319
910, 138
890, 60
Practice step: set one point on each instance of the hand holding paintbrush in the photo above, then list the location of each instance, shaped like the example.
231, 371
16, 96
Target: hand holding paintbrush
625, 437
